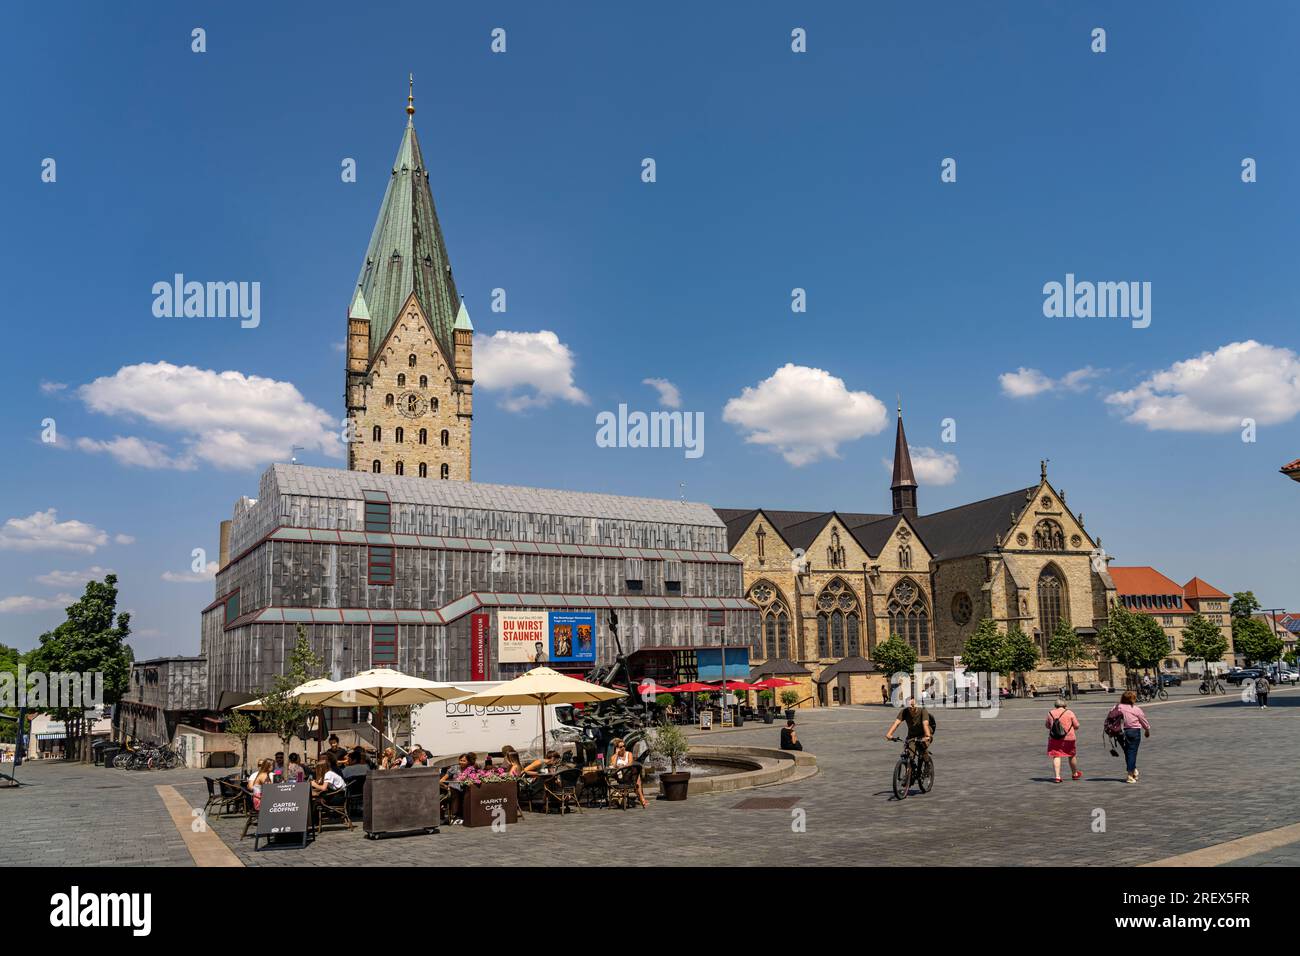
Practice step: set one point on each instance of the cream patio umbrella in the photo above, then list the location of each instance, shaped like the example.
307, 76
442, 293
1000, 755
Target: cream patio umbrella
307, 693
542, 687
385, 687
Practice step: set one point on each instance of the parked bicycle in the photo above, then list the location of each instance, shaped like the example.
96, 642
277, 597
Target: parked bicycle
1211, 685
914, 763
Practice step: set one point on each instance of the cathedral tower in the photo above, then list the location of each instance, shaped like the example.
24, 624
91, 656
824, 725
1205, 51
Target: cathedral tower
409, 379
903, 485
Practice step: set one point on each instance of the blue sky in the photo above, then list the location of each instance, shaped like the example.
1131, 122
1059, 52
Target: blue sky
774, 170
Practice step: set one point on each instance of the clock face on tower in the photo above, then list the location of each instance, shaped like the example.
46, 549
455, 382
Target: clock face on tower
411, 404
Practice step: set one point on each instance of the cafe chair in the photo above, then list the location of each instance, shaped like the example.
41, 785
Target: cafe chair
333, 804
621, 783
356, 787
562, 788
231, 797
249, 810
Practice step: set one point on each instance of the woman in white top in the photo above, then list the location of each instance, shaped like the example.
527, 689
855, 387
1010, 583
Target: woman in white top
259, 776
325, 779
622, 757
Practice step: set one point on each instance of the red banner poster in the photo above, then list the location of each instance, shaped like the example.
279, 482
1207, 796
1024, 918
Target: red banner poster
478, 646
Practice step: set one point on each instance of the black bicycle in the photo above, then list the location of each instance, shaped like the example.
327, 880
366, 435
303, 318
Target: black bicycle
1211, 685
914, 763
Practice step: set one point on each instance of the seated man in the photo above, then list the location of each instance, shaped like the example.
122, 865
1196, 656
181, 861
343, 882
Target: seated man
789, 739
419, 758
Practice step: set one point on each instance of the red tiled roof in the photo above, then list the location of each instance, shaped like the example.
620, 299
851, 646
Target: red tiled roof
1196, 589
1291, 467
1143, 580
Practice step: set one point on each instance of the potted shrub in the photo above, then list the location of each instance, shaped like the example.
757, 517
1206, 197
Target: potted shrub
670, 743
789, 697
765, 700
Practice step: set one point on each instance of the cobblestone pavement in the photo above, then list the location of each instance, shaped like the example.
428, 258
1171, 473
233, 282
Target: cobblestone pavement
1212, 771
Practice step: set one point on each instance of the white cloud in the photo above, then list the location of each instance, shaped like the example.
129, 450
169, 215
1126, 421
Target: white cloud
341, 346
224, 419
1028, 382
930, 466
124, 538
669, 395
1215, 390
68, 579
804, 413
191, 577
537, 363
43, 531
137, 452
26, 604
52, 388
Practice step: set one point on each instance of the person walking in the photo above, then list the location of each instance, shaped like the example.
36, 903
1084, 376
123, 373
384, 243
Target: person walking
1135, 726
1261, 690
1061, 740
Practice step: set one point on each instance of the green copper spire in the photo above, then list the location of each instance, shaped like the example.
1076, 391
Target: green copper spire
462, 318
406, 252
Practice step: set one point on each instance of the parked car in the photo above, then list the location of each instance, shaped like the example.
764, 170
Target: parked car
1283, 676
1171, 680
1237, 675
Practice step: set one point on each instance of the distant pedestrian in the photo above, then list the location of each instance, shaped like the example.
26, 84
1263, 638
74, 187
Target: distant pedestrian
1134, 726
1261, 690
1061, 741
884, 694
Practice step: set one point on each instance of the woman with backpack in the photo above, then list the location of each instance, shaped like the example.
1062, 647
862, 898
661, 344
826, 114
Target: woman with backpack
1127, 722
1061, 725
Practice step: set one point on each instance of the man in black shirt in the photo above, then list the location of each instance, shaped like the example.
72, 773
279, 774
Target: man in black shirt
789, 739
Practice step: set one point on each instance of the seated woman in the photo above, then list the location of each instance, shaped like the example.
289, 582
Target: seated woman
456, 789
391, 761
293, 771
514, 766
622, 757
325, 779
538, 767
262, 775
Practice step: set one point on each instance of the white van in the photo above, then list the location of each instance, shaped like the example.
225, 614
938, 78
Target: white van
447, 728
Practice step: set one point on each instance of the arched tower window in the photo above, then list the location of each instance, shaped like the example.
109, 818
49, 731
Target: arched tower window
388, 399
376, 434
399, 435
424, 381
444, 471
905, 557
374, 466
445, 438
1051, 602
401, 380
410, 360
424, 436
909, 618
839, 621
399, 469
424, 470
774, 618
834, 550
433, 404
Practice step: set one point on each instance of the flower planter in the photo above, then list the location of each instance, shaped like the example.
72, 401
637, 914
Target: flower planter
674, 786
482, 800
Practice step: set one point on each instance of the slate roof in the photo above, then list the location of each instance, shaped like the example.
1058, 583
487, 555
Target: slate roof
407, 254
800, 528
778, 667
848, 665
972, 528
352, 485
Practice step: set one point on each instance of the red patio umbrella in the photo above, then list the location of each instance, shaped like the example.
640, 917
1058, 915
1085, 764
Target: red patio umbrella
740, 685
691, 687
772, 683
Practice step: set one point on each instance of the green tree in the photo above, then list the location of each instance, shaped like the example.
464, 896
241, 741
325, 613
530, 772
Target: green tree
1021, 651
894, 655
1255, 640
1065, 648
10, 658
91, 641
985, 651
1133, 639
284, 713
1203, 641
1243, 604
239, 725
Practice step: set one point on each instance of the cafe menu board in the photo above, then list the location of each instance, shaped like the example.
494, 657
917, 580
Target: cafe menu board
706, 719
285, 813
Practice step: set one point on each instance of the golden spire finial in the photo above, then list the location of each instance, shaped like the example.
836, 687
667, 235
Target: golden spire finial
410, 97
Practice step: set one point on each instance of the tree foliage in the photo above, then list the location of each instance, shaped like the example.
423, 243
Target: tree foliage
284, 714
1243, 604
894, 655
1255, 640
1203, 640
985, 651
1135, 640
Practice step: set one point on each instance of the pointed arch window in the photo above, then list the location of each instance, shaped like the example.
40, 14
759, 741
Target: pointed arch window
839, 619
774, 620
1051, 602
909, 617
905, 557
761, 537
835, 550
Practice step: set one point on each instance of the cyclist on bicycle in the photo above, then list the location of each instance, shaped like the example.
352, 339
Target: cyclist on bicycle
920, 726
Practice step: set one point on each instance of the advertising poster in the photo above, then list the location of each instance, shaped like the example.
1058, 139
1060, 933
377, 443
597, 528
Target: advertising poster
478, 646
521, 637
573, 636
